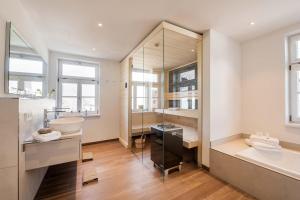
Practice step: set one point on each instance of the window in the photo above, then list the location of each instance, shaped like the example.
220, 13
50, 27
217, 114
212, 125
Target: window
183, 79
294, 60
155, 97
78, 86
27, 75
295, 92
145, 90
184, 103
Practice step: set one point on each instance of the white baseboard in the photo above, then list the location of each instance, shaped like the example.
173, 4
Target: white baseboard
123, 142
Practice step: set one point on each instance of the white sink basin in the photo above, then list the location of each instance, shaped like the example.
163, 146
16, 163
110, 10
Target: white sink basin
67, 125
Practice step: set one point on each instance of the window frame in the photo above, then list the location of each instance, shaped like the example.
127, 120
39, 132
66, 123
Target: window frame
79, 81
294, 92
292, 40
146, 96
148, 88
21, 77
293, 68
175, 73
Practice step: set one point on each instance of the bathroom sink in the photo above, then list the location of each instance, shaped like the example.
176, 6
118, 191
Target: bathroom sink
67, 125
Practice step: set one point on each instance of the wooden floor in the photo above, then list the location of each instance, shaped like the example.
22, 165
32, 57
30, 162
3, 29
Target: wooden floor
123, 176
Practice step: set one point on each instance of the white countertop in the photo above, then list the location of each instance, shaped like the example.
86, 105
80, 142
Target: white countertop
30, 140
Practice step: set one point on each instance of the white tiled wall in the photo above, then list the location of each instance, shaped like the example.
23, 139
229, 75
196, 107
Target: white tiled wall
30, 119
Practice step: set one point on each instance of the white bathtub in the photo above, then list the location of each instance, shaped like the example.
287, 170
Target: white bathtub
286, 162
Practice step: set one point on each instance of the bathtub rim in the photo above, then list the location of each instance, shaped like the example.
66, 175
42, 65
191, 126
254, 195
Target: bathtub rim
268, 166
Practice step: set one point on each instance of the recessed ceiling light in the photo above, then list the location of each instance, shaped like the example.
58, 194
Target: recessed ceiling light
100, 25
193, 50
94, 49
252, 23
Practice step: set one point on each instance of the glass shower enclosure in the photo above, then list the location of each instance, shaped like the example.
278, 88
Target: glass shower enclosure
163, 84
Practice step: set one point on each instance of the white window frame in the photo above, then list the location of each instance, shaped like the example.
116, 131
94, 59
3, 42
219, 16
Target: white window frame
79, 81
148, 86
146, 96
293, 49
294, 92
21, 77
294, 68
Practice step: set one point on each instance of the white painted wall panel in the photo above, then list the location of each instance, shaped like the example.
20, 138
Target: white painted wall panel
221, 89
264, 86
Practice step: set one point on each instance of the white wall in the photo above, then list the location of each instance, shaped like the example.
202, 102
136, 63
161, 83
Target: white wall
221, 89
106, 126
206, 125
264, 76
12, 10
226, 87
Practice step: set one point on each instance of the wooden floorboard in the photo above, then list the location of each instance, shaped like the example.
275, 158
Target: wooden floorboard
122, 175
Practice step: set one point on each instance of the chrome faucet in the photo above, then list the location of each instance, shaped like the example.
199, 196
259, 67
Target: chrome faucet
56, 112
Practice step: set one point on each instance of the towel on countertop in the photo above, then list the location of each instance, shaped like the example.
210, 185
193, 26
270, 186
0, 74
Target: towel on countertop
54, 135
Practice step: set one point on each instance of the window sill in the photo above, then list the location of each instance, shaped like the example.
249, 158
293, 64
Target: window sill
92, 115
292, 125
81, 115
137, 112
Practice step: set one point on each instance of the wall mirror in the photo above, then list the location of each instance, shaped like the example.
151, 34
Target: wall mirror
25, 70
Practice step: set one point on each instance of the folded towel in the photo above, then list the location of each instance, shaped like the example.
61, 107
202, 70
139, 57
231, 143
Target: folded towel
264, 139
54, 135
263, 143
266, 147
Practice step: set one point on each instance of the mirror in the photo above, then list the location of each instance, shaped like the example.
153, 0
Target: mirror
25, 70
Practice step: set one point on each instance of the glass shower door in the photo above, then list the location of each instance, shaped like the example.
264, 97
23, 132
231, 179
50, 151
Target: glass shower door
180, 96
138, 104
153, 117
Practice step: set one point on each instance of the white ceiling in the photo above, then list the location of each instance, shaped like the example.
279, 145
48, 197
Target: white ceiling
71, 25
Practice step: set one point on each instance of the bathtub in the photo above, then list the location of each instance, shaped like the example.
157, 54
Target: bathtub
286, 162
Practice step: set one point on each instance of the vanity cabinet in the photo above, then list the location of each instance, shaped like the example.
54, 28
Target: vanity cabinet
9, 148
9, 183
66, 149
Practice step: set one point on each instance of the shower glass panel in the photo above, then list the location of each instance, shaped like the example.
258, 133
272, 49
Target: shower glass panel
180, 97
154, 68
139, 103
164, 99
